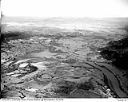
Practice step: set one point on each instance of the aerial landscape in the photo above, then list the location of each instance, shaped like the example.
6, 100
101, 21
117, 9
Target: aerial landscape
64, 58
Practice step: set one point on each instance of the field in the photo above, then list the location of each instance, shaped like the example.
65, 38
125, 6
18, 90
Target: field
62, 58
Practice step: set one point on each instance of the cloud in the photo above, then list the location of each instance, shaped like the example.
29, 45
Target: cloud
64, 8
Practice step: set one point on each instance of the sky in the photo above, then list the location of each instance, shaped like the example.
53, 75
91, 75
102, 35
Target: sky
65, 8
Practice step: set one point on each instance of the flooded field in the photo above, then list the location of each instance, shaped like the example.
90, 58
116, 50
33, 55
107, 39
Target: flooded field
67, 64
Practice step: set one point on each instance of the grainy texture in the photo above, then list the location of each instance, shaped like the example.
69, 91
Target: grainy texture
58, 63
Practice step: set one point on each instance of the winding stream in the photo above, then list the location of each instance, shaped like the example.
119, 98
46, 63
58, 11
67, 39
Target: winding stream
65, 62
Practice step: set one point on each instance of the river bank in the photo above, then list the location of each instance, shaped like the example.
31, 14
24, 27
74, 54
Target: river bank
59, 67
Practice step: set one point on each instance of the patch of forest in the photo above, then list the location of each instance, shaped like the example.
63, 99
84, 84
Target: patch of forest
117, 51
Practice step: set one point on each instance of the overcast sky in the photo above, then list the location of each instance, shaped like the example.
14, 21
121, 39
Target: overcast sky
65, 8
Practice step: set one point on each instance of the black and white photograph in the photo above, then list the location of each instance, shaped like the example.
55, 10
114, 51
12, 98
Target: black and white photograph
64, 49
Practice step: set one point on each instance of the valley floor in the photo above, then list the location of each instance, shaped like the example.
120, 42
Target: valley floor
59, 67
